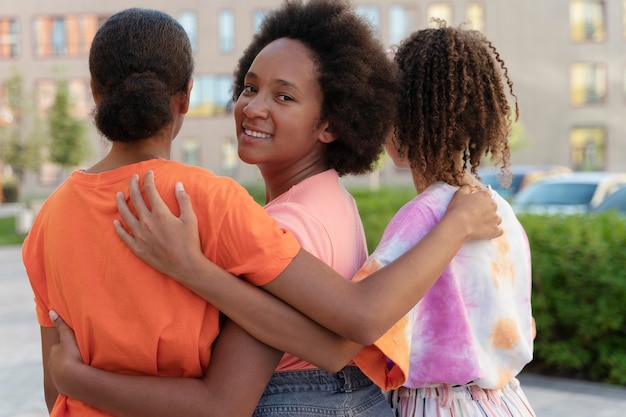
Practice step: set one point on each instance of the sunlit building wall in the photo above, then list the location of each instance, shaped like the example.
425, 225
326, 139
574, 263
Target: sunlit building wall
567, 59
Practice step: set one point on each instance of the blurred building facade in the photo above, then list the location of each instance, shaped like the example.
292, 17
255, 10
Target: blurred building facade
567, 59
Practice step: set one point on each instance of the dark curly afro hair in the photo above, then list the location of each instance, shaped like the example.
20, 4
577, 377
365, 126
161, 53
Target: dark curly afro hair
359, 84
454, 102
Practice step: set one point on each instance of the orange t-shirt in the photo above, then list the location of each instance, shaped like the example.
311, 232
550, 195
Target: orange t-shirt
128, 318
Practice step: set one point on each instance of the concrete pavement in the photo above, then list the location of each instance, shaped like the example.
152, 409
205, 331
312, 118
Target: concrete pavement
21, 393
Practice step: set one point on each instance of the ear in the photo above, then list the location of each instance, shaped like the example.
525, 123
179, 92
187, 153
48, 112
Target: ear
185, 97
392, 150
326, 134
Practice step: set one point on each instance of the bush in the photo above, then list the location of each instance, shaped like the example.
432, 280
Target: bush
10, 191
378, 207
8, 232
579, 289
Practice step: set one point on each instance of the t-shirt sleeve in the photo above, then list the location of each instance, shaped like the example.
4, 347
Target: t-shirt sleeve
305, 227
33, 258
251, 243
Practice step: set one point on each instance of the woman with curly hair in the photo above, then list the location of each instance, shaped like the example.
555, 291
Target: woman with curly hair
460, 348
315, 98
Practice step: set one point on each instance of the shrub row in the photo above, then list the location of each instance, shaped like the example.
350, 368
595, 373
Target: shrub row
579, 295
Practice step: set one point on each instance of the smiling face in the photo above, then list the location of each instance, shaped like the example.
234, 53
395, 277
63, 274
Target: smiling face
277, 114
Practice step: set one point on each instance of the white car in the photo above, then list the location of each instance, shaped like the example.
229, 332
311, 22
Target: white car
521, 177
577, 192
614, 202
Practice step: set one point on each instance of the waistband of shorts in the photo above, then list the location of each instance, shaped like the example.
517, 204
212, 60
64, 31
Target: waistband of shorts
348, 379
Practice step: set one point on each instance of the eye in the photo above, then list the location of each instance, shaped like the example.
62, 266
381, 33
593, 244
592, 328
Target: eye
285, 97
248, 89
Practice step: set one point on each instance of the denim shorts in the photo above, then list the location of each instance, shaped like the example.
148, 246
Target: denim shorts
314, 393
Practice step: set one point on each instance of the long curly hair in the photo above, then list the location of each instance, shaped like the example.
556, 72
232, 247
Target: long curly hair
359, 84
454, 103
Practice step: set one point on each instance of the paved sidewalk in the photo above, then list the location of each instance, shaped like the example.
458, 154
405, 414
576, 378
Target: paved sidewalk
21, 393
21, 387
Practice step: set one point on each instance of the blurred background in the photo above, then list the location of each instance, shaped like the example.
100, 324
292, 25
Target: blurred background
566, 58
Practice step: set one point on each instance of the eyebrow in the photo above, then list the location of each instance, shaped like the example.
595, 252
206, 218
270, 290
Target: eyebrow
279, 81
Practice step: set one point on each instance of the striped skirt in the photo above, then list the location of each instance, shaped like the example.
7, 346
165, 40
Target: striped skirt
461, 401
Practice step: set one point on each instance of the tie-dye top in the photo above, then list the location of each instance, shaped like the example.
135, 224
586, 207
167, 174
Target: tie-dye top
475, 325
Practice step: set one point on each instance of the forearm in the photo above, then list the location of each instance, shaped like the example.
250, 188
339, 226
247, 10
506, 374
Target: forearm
314, 289
141, 396
239, 370
347, 308
403, 283
270, 320
49, 337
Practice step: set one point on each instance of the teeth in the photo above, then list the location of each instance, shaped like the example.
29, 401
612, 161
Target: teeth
257, 134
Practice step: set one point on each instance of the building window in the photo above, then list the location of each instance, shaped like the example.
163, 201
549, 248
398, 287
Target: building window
210, 95
229, 157
258, 17
587, 145
441, 11
189, 22
69, 35
372, 15
588, 83
59, 37
476, 16
9, 38
587, 20
402, 21
227, 30
6, 113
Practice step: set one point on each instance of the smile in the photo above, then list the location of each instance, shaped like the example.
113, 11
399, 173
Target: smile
255, 134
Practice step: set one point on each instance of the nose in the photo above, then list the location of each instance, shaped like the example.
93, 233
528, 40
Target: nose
255, 107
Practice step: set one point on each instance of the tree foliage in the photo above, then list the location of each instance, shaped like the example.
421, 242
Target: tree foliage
18, 150
69, 144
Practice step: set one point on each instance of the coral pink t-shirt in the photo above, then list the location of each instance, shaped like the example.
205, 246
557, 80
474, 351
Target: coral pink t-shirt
323, 216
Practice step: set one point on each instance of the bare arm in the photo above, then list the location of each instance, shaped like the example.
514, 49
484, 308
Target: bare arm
307, 284
239, 370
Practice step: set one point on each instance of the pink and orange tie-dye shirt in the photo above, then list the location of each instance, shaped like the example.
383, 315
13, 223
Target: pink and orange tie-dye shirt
475, 325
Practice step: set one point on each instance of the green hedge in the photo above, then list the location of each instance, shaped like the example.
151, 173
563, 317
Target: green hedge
10, 191
579, 295
8, 233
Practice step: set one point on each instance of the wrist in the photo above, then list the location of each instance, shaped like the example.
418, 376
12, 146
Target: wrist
456, 226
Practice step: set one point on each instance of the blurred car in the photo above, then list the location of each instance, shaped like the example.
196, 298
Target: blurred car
521, 176
577, 192
615, 201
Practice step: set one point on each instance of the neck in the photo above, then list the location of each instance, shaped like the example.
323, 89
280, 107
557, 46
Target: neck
421, 184
279, 182
122, 154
